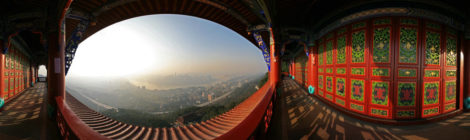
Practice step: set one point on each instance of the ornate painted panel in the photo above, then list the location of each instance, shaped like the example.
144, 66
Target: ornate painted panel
341, 50
394, 72
340, 70
329, 96
379, 112
357, 90
356, 107
340, 102
451, 73
320, 81
357, 71
430, 111
431, 73
381, 45
380, 91
431, 93
329, 84
408, 45
406, 94
358, 47
406, 72
320, 93
433, 48
450, 91
329, 70
381, 72
329, 52
451, 52
405, 113
449, 107
341, 87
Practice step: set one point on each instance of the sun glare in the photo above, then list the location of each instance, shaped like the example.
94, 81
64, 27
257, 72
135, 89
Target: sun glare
116, 51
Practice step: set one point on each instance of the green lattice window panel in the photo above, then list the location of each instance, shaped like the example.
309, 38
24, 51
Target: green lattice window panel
451, 52
320, 55
406, 72
381, 45
408, 45
329, 70
381, 72
431, 93
380, 93
432, 48
329, 52
340, 70
432, 73
406, 94
451, 73
320, 81
341, 50
358, 47
357, 71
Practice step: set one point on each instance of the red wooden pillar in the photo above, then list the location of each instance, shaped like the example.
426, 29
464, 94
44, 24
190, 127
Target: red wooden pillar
3, 94
464, 72
56, 69
312, 70
274, 73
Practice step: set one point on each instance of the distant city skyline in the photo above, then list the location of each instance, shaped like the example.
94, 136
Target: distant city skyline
166, 44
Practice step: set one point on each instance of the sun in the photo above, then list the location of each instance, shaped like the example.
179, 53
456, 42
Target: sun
117, 51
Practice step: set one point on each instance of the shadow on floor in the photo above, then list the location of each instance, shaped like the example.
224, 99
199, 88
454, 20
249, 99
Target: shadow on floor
300, 116
25, 117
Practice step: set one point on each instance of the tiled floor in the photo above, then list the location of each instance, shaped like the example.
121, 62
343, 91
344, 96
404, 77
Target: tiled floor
25, 117
305, 117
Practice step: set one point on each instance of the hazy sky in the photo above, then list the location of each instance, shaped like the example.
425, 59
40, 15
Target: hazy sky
166, 44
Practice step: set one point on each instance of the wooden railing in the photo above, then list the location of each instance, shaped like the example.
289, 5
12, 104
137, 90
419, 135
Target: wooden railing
77, 121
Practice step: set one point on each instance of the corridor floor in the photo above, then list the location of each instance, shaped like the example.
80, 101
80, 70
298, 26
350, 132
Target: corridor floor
25, 117
305, 117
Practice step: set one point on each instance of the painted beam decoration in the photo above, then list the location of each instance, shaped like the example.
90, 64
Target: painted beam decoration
393, 67
264, 49
72, 43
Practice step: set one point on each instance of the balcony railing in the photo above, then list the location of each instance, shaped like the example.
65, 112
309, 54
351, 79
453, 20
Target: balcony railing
77, 121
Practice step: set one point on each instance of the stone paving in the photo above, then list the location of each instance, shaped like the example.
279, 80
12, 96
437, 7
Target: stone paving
305, 117
25, 116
